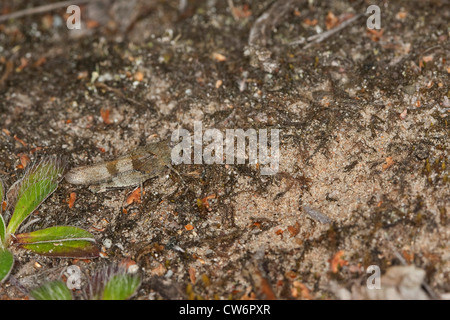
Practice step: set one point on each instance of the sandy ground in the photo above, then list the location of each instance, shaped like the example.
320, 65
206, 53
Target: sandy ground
364, 137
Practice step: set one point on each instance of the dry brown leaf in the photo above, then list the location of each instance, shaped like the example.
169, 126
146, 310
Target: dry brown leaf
389, 163
427, 58
408, 255
219, 57
36, 149
192, 275
299, 290
160, 270
24, 160
375, 35
6, 131
105, 115
127, 263
401, 15
91, 24
72, 198
23, 64
266, 288
204, 201
139, 76
82, 75
331, 21
20, 141
336, 262
135, 196
310, 22
294, 230
241, 12
40, 62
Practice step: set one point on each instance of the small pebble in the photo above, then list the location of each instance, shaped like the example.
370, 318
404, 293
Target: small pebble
168, 274
133, 268
107, 243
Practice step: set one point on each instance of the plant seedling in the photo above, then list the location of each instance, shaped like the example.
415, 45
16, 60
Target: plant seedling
110, 283
26, 195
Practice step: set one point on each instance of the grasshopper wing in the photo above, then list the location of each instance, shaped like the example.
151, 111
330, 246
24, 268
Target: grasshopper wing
153, 158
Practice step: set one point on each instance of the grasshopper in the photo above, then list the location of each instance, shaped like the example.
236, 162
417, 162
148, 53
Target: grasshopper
128, 170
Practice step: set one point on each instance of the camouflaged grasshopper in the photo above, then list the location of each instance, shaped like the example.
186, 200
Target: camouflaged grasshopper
132, 169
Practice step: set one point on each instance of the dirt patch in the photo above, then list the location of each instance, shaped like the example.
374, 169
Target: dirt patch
364, 139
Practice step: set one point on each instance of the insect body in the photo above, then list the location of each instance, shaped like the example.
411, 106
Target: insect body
128, 170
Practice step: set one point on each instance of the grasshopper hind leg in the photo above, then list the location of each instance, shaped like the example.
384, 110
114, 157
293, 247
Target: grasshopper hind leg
130, 179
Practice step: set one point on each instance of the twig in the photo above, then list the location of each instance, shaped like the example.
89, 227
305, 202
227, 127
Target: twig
325, 35
268, 20
117, 92
41, 9
182, 5
232, 9
29, 223
317, 215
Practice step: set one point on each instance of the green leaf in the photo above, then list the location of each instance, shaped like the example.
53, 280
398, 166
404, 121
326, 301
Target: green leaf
121, 287
40, 180
6, 264
61, 241
65, 249
54, 290
111, 283
53, 234
2, 232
